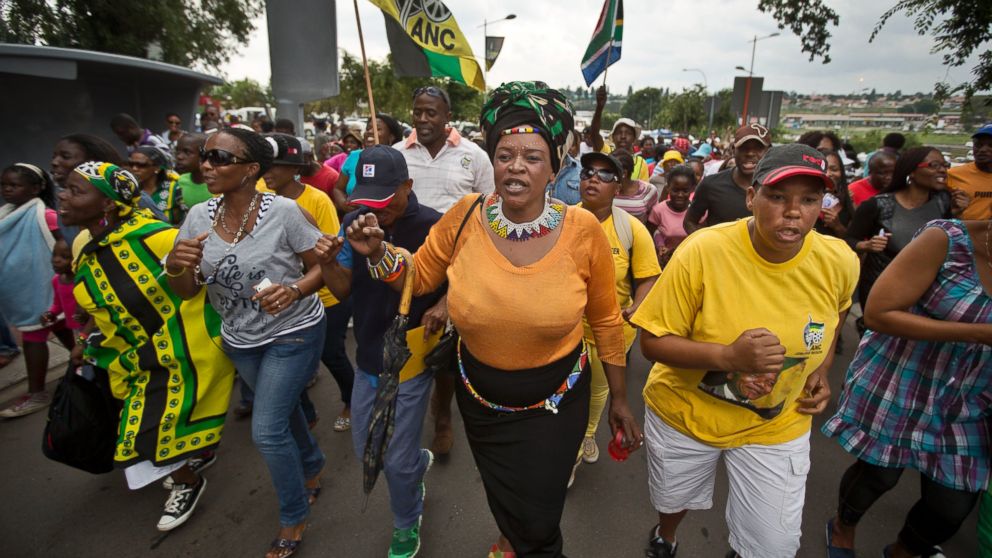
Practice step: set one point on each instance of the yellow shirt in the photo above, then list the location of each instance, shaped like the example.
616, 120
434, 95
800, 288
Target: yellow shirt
642, 256
716, 287
78, 243
640, 171
978, 184
319, 206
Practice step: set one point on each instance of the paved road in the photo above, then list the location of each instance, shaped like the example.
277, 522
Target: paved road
49, 510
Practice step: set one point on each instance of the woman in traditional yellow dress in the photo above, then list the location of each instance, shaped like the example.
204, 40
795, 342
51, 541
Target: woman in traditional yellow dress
162, 353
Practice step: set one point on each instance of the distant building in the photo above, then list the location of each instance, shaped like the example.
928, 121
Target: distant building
887, 120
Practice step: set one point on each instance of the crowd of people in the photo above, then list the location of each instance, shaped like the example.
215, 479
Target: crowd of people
543, 251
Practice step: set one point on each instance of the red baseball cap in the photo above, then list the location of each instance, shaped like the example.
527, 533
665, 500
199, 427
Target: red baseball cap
793, 159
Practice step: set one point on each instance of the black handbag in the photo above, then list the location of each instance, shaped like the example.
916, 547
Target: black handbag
82, 421
443, 358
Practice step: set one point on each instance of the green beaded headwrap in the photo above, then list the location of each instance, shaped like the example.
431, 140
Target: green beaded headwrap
114, 182
529, 102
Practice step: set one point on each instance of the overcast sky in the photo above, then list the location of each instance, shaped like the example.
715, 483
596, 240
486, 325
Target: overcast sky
548, 38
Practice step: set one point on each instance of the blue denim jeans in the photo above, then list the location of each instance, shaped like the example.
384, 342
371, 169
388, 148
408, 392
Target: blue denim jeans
406, 462
278, 373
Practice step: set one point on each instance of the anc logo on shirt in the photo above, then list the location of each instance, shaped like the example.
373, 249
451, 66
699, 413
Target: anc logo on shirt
813, 335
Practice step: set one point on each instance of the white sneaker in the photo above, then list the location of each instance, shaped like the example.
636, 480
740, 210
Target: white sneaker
180, 505
27, 404
590, 451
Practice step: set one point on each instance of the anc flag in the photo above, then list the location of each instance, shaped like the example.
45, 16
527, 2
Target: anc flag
604, 48
425, 41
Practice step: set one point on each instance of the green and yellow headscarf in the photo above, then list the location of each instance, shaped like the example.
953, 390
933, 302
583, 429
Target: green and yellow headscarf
533, 107
114, 182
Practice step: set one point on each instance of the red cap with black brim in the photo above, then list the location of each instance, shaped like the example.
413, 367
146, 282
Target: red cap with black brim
793, 159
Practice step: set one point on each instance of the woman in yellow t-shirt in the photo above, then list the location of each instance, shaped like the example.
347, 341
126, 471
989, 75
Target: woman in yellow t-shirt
635, 267
742, 325
282, 179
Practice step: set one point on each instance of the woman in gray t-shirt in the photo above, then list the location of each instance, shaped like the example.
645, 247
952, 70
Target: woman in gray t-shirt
254, 254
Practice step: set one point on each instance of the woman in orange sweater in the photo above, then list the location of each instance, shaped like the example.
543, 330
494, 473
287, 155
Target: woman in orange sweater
524, 272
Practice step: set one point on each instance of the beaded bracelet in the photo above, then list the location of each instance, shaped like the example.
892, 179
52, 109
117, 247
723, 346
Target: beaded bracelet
390, 265
396, 274
82, 339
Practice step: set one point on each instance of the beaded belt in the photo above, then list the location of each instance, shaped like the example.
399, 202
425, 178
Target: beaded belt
550, 403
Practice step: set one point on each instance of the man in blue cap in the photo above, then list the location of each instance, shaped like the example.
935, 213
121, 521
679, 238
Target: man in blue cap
384, 188
976, 177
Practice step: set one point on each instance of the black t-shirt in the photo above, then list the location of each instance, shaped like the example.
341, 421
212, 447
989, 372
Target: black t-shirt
721, 197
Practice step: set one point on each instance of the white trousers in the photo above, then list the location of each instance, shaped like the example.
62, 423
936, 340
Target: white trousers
767, 486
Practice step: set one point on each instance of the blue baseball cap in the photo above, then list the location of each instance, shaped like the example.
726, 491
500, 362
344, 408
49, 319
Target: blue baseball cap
379, 172
702, 151
985, 130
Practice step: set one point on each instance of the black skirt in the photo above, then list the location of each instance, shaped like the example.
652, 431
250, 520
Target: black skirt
525, 457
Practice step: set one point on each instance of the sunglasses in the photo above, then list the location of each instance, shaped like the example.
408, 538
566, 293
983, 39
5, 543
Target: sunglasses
602, 174
935, 165
135, 165
175, 121
221, 158
433, 92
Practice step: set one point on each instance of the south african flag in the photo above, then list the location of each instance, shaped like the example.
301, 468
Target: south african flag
604, 48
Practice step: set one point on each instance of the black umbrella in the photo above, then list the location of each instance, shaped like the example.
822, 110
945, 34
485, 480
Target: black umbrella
394, 356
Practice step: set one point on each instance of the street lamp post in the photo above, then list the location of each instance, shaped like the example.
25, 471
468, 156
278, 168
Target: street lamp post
750, 73
485, 39
706, 87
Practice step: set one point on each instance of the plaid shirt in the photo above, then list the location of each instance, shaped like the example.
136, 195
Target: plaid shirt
923, 404
460, 168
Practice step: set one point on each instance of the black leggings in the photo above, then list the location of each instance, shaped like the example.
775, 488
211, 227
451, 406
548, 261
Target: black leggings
935, 517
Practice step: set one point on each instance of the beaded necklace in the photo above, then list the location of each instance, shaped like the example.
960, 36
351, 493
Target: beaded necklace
547, 221
219, 217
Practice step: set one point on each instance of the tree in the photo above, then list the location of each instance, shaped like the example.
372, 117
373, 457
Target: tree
180, 32
392, 93
958, 28
642, 105
722, 116
243, 93
685, 111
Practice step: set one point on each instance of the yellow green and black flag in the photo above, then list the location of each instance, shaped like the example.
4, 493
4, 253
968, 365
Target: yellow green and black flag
425, 41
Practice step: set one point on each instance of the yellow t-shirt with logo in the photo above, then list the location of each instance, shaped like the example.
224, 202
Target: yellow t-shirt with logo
645, 264
978, 184
319, 206
715, 287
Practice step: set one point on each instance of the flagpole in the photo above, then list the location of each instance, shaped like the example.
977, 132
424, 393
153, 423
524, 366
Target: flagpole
368, 80
609, 54
609, 50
